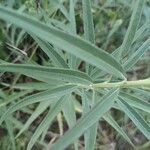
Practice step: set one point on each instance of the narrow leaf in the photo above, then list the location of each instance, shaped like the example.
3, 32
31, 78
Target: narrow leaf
69, 43
88, 21
133, 59
86, 121
90, 134
50, 95
138, 120
136, 102
39, 110
134, 23
47, 120
30, 86
39, 72
115, 125
51, 53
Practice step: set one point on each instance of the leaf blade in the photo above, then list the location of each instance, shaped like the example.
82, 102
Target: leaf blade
40, 72
135, 117
42, 96
134, 22
85, 122
83, 49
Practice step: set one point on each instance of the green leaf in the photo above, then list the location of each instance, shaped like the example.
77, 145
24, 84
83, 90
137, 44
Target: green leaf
69, 112
86, 121
51, 53
10, 129
70, 115
50, 95
115, 125
40, 72
88, 21
144, 92
133, 59
69, 43
72, 17
14, 97
115, 28
88, 27
134, 23
138, 120
90, 134
30, 86
135, 102
141, 30
39, 110
47, 120
73, 60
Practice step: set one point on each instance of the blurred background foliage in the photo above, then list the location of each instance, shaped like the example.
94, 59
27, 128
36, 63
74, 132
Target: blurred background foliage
111, 19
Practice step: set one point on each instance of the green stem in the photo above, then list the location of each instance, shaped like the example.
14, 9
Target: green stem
123, 84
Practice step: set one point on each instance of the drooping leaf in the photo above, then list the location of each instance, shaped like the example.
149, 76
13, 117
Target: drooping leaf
31, 86
69, 43
41, 72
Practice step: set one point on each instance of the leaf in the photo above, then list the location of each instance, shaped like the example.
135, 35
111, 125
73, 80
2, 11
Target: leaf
138, 120
64, 11
39, 110
134, 23
69, 43
88, 27
30, 86
69, 112
115, 125
40, 72
88, 21
47, 120
73, 60
13, 97
70, 115
72, 18
133, 59
115, 28
135, 102
144, 92
86, 121
51, 53
10, 129
50, 95
90, 134
141, 30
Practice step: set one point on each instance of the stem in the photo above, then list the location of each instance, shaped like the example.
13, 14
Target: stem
124, 84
